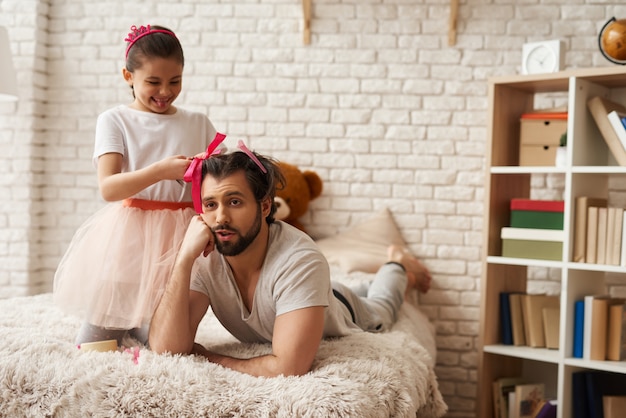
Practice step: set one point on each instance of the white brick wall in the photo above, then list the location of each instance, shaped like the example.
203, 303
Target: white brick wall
378, 105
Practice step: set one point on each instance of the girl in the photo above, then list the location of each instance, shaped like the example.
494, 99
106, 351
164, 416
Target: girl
119, 260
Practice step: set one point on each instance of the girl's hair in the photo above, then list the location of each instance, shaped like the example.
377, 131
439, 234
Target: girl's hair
158, 43
263, 185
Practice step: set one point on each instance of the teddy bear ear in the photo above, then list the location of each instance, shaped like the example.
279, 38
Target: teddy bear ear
315, 183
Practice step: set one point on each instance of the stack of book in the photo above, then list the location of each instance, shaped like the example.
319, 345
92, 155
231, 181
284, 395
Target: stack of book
515, 397
535, 231
530, 319
600, 328
598, 232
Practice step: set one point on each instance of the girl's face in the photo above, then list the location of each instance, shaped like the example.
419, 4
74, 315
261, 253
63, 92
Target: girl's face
156, 84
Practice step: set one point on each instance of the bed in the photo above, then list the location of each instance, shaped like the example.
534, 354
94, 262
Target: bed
42, 373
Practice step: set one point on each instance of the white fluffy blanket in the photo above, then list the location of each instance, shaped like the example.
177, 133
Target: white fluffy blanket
42, 374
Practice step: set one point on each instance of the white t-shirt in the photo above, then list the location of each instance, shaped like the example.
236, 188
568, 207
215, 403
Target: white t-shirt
295, 275
145, 137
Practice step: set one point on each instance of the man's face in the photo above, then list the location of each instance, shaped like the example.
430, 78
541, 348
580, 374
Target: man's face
232, 213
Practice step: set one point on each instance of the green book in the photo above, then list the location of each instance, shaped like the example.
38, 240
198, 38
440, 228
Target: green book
536, 219
538, 250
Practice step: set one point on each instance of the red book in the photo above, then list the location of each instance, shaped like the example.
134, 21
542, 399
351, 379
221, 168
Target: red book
539, 205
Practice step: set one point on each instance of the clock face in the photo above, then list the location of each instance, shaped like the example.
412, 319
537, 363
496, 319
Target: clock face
540, 59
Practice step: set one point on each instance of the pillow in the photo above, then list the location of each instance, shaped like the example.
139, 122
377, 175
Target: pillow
363, 247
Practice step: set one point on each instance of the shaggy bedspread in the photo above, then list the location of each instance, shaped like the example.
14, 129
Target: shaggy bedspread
42, 374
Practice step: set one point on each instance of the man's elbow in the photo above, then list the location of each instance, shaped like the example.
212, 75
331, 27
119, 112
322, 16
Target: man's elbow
294, 370
162, 346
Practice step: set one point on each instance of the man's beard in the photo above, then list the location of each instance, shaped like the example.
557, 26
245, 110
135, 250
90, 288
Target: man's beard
232, 248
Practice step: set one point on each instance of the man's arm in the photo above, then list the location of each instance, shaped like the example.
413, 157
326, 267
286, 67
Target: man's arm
176, 319
296, 338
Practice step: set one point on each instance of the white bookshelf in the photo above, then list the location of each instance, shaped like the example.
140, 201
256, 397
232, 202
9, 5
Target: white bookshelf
587, 171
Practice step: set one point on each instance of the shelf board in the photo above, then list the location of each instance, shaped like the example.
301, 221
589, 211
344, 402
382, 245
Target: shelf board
539, 354
592, 169
579, 169
596, 267
609, 366
495, 259
559, 81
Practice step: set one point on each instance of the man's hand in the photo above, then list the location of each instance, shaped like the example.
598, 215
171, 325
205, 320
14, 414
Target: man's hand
198, 239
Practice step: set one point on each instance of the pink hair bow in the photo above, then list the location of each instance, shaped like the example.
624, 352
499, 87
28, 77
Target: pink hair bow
194, 171
250, 154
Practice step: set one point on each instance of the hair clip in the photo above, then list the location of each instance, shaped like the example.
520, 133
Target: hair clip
194, 171
137, 33
253, 157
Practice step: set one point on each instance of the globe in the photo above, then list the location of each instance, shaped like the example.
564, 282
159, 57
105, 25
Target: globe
612, 41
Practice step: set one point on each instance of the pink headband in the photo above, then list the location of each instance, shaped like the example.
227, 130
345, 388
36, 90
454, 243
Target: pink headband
194, 171
137, 33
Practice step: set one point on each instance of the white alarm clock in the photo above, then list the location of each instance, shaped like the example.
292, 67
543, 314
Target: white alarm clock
543, 57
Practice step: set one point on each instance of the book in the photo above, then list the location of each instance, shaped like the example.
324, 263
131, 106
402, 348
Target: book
613, 406
538, 205
616, 338
623, 249
511, 413
601, 241
532, 234
616, 245
551, 325
616, 122
547, 410
580, 226
536, 219
600, 384
501, 389
532, 310
610, 235
533, 249
527, 399
517, 319
596, 315
579, 319
580, 407
505, 319
592, 234
599, 109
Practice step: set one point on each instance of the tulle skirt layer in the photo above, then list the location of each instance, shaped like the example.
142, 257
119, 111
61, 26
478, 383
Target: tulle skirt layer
118, 263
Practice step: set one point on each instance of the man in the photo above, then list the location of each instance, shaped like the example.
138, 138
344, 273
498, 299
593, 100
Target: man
264, 280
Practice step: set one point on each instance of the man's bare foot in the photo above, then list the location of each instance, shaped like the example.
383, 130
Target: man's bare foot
418, 275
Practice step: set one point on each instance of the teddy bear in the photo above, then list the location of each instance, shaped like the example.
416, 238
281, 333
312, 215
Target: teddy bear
293, 199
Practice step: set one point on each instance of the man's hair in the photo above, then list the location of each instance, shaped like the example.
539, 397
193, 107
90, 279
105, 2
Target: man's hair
263, 185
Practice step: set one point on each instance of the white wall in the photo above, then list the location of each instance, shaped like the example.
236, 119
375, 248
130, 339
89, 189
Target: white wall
379, 105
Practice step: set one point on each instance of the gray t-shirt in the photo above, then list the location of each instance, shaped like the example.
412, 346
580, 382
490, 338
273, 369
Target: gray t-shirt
295, 275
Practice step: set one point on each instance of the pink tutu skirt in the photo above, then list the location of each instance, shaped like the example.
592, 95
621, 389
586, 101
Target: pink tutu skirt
119, 261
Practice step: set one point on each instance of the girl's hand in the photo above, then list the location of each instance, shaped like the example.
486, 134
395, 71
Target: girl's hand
173, 168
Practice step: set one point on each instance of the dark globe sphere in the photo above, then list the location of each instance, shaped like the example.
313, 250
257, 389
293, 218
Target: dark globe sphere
613, 40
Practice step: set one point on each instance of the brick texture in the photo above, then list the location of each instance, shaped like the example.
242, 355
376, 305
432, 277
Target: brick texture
378, 104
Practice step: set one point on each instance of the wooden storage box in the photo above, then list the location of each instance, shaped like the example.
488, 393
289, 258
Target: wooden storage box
540, 135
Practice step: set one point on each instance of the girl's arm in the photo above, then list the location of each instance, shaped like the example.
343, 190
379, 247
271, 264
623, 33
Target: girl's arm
115, 185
